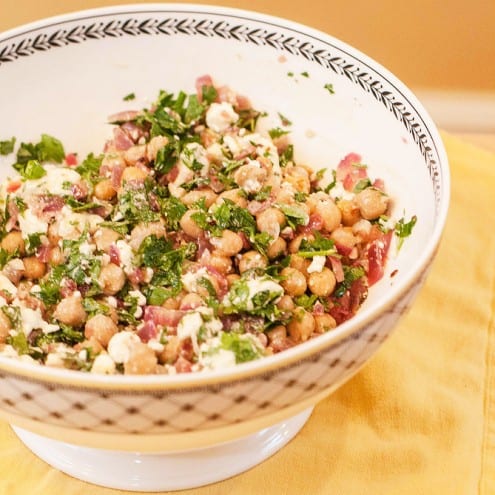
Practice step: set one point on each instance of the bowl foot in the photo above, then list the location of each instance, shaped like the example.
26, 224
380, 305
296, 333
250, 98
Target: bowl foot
136, 471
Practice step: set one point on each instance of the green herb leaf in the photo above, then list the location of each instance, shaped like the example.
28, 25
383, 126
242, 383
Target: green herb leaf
89, 169
329, 88
243, 346
277, 132
321, 246
351, 274
294, 214
129, 97
7, 147
404, 229
31, 170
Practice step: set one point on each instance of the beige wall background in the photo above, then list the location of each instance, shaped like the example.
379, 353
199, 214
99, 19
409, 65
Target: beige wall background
442, 44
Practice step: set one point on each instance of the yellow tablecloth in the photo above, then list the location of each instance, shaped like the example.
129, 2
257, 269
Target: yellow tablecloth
418, 419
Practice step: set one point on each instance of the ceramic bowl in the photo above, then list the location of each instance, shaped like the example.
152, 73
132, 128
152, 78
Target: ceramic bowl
63, 76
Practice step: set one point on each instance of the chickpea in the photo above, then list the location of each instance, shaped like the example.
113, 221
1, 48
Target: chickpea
194, 196
270, 221
350, 212
133, 174
362, 229
324, 323
5, 327
142, 360
285, 303
232, 278
143, 230
296, 242
300, 263
112, 279
91, 343
191, 301
52, 234
235, 195
134, 155
112, 160
33, 267
276, 248
156, 143
250, 260
329, 213
302, 325
220, 262
250, 177
100, 328
322, 283
372, 203
56, 256
294, 282
71, 311
189, 226
229, 244
299, 178
104, 190
173, 302
170, 352
13, 241
276, 334
104, 238
344, 237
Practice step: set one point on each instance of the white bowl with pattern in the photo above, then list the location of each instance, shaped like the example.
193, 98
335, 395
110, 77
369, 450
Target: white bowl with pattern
63, 76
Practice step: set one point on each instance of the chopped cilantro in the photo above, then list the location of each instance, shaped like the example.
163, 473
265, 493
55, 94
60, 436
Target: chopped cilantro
209, 94
284, 120
294, 214
277, 132
31, 170
7, 146
89, 169
167, 157
287, 155
48, 149
129, 97
152, 249
351, 274
329, 88
305, 301
305, 74
173, 210
404, 229
248, 119
321, 246
6, 256
362, 185
263, 194
243, 346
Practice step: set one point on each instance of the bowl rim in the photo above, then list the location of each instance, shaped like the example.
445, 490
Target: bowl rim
300, 352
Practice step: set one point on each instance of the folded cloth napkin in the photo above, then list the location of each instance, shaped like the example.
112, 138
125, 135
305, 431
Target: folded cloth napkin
418, 419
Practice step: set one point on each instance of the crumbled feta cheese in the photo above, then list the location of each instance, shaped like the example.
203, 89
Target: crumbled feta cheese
189, 327
218, 359
32, 319
87, 249
338, 192
71, 225
126, 255
103, 365
261, 285
185, 174
317, 264
141, 299
155, 345
220, 116
190, 279
120, 345
30, 224
56, 181
55, 360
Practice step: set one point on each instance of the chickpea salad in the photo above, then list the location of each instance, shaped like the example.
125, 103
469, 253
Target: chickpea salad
194, 241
